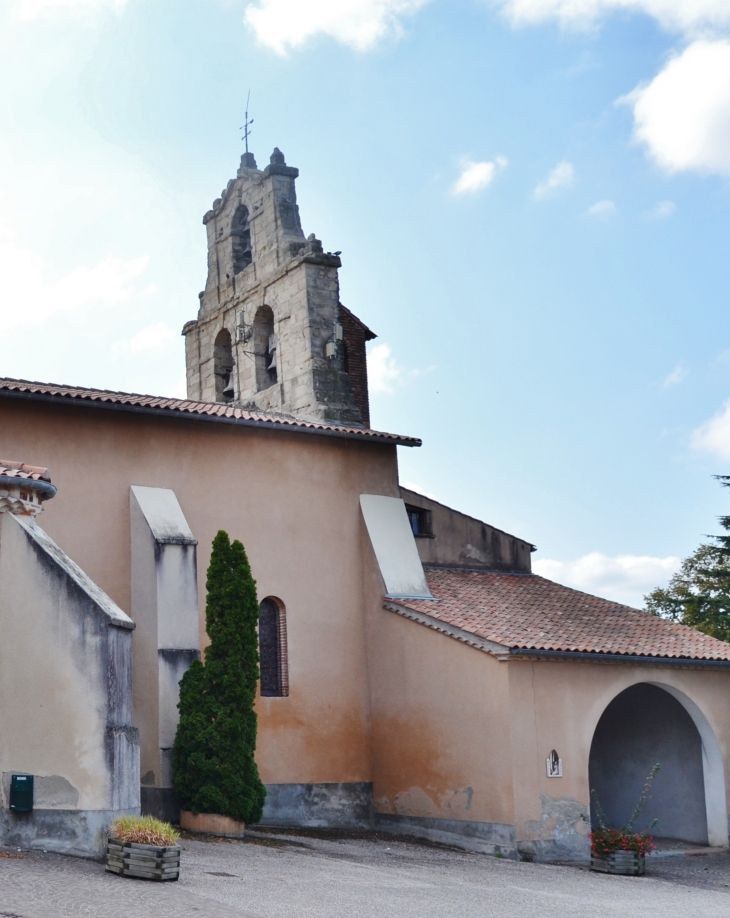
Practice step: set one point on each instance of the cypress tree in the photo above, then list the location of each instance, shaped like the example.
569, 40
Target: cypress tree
213, 763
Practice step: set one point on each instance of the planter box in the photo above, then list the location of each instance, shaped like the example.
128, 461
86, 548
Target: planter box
148, 862
624, 863
212, 824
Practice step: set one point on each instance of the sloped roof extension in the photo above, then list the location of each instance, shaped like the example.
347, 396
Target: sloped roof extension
524, 612
184, 408
10, 469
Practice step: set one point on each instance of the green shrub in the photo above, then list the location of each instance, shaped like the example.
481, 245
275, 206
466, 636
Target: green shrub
144, 830
213, 763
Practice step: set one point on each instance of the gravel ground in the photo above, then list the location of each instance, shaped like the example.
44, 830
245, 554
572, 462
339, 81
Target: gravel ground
328, 875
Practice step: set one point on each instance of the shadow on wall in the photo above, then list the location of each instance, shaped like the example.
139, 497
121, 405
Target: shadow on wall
640, 727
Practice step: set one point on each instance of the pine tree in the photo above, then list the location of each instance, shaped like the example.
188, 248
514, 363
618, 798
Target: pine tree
699, 593
213, 763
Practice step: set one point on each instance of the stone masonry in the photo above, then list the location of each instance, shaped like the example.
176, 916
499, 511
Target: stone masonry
269, 332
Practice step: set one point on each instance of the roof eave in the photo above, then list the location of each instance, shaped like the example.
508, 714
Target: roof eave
193, 416
516, 653
453, 631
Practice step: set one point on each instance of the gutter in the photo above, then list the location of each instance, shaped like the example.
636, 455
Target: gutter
45, 489
194, 416
581, 656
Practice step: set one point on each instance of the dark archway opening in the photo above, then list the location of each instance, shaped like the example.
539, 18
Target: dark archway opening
223, 366
640, 727
264, 346
241, 234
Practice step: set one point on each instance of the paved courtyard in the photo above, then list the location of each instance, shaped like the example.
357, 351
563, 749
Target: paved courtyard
327, 875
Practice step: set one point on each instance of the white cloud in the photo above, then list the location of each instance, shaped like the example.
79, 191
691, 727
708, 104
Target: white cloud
361, 24
152, 338
713, 436
180, 388
624, 578
383, 372
682, 116
679, 373
602, 209
107, 283
676, 15
477, 176
662, 210
35, 9
417, 488
561, 176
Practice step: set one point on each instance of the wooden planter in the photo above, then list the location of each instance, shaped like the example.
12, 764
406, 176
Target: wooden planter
212, 824
148, 862
624, 863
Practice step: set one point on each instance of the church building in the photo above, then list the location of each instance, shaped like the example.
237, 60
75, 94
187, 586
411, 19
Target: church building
416, 676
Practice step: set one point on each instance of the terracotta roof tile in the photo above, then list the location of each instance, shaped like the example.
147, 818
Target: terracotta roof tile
10, 469
192, 409
524, 611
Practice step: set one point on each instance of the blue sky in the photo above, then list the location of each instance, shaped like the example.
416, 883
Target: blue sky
532, 201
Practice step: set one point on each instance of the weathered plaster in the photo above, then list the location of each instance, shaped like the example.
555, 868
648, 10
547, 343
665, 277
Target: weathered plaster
165, 607
319, 805
561, 833
65, 682
484, 837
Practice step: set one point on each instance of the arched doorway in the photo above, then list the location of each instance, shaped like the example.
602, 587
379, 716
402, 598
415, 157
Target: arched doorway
644, 725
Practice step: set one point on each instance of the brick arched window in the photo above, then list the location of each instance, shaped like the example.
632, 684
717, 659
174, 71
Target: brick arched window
272, 648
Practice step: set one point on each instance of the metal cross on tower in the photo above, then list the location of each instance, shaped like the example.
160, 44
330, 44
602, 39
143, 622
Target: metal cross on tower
246, 124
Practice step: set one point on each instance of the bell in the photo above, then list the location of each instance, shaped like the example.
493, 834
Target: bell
228, 391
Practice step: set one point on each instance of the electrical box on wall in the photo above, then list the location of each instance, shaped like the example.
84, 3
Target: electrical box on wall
21, 793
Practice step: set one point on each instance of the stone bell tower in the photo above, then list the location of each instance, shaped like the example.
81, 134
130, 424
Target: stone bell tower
271, 332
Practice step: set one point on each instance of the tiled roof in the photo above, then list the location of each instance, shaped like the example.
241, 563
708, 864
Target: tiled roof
527, 612
369, 334
10, 469
210, 411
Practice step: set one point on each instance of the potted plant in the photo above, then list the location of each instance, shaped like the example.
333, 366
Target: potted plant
214, 772
144, 847
621, 851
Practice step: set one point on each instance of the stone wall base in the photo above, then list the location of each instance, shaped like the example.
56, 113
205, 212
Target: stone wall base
485, 837
333, 806
160, 802
78, 832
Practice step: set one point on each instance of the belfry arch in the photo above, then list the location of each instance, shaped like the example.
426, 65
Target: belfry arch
264, 346
241, 236
223, 366
652, 722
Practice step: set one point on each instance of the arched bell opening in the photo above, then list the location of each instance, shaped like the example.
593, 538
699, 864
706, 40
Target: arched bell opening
264, 346
223, 367
241, 236
643, 725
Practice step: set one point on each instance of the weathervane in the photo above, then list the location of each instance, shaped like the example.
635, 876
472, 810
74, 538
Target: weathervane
246, 124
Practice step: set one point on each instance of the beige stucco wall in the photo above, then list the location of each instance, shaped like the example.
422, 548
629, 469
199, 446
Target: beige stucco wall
292, 499
440, 726
461, 735
459, 540
557, 705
